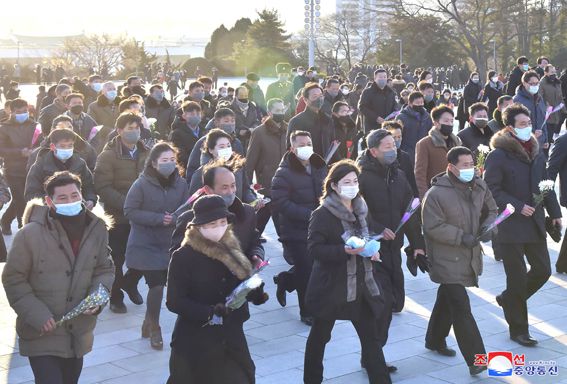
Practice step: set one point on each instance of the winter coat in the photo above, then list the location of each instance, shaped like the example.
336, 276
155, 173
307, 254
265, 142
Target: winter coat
557, 165
491, 95
13, 138
471, 137
207, 109
47, 164
245, 123
552, 94
84, 128
514, 80
513, 176
197, 157
43, 279
114, 174
243, 225
265, 152
80, 147
295, 194
320, 127
347, 136
450, 210
201, 275
104, 111
406, 165
431, 158
388, 194
416, 126
184, 139
243, 190
329, 101
471, 95
146, 203
163, 112
536, 106
375, 102
48, 114
326, 295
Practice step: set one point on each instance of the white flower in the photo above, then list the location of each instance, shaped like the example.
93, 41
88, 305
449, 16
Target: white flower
483, 149
510, 208
546, 186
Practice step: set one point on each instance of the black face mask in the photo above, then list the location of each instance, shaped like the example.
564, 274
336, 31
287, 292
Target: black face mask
138, 90
278, 117
417, 108
446, 129
345, 119
76, 109
245, 101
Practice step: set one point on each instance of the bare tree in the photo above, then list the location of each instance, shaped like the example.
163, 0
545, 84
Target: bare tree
93, 51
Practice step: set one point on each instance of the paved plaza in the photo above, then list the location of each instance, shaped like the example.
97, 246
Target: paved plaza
277, 338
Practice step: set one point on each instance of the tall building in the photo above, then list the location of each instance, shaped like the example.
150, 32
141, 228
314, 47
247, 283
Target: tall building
373, 13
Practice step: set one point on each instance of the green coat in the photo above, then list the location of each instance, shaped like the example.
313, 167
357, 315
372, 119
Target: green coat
450, 210
43, 279
114, 174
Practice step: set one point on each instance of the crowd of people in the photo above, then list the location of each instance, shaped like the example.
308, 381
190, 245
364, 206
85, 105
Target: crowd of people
111, 184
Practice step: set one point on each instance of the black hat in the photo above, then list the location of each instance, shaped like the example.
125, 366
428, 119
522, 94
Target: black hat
209, 208
252, 76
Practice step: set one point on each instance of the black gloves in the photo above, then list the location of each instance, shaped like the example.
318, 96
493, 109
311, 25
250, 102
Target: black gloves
485, 237
221, 310
469, 241
257, 296
413, 263
554, 231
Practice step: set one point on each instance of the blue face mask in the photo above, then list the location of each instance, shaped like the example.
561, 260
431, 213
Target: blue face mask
63, 154
96, 87
158, 96
111, 95
523, 134
466, 175
22, 117
70, 209
428, 98
526, 67
199, 96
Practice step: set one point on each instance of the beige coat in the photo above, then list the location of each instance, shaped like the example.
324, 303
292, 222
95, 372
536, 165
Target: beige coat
450, 210
43, 279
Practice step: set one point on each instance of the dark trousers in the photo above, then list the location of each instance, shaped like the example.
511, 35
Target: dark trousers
117, 241
18, 203
56, 370
372, 355
263, 216
453, 308
520, 284
297, 277
561, 264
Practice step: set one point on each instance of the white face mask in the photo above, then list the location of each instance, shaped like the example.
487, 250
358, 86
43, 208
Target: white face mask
494, 79
534, 89
304, 153
224, 153
214, 234
349, 191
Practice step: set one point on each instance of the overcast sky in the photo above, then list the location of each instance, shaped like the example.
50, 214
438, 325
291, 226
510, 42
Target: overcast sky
145, 19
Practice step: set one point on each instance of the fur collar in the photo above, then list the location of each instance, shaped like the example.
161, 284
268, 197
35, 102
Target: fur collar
102, 101
37, 211
505, 140
227, 251
439, 141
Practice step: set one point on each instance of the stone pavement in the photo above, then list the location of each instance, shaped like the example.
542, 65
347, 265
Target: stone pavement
277, 338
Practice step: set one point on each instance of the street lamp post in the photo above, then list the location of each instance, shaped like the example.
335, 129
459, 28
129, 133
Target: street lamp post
312, 14
401, 52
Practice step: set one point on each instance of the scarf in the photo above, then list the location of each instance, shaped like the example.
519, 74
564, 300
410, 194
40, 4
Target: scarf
349, 221
243, 106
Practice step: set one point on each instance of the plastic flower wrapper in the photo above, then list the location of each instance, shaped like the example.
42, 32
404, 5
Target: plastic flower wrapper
481, 153
411, 209
371, 246
97, 298
545, 186
238, 296
508, 211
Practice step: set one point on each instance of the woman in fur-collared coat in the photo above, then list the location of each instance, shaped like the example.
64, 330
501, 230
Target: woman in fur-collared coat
203, 272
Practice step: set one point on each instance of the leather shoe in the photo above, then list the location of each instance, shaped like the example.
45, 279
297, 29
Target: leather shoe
307, 320
135, 296
280, 292
118, 308
561, 270
444, 351
524, 340
475, 370
391, 368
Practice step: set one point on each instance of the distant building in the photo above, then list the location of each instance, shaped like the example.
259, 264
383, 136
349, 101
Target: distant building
375, 14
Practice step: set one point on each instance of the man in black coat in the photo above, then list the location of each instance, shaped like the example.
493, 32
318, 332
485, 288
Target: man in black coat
219, 180
376, 102
388, 194
314, 121
56, 108
331, 95
186, 131
405, 162
557, 165
515, 77
513, 171
296, 189
478, 132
